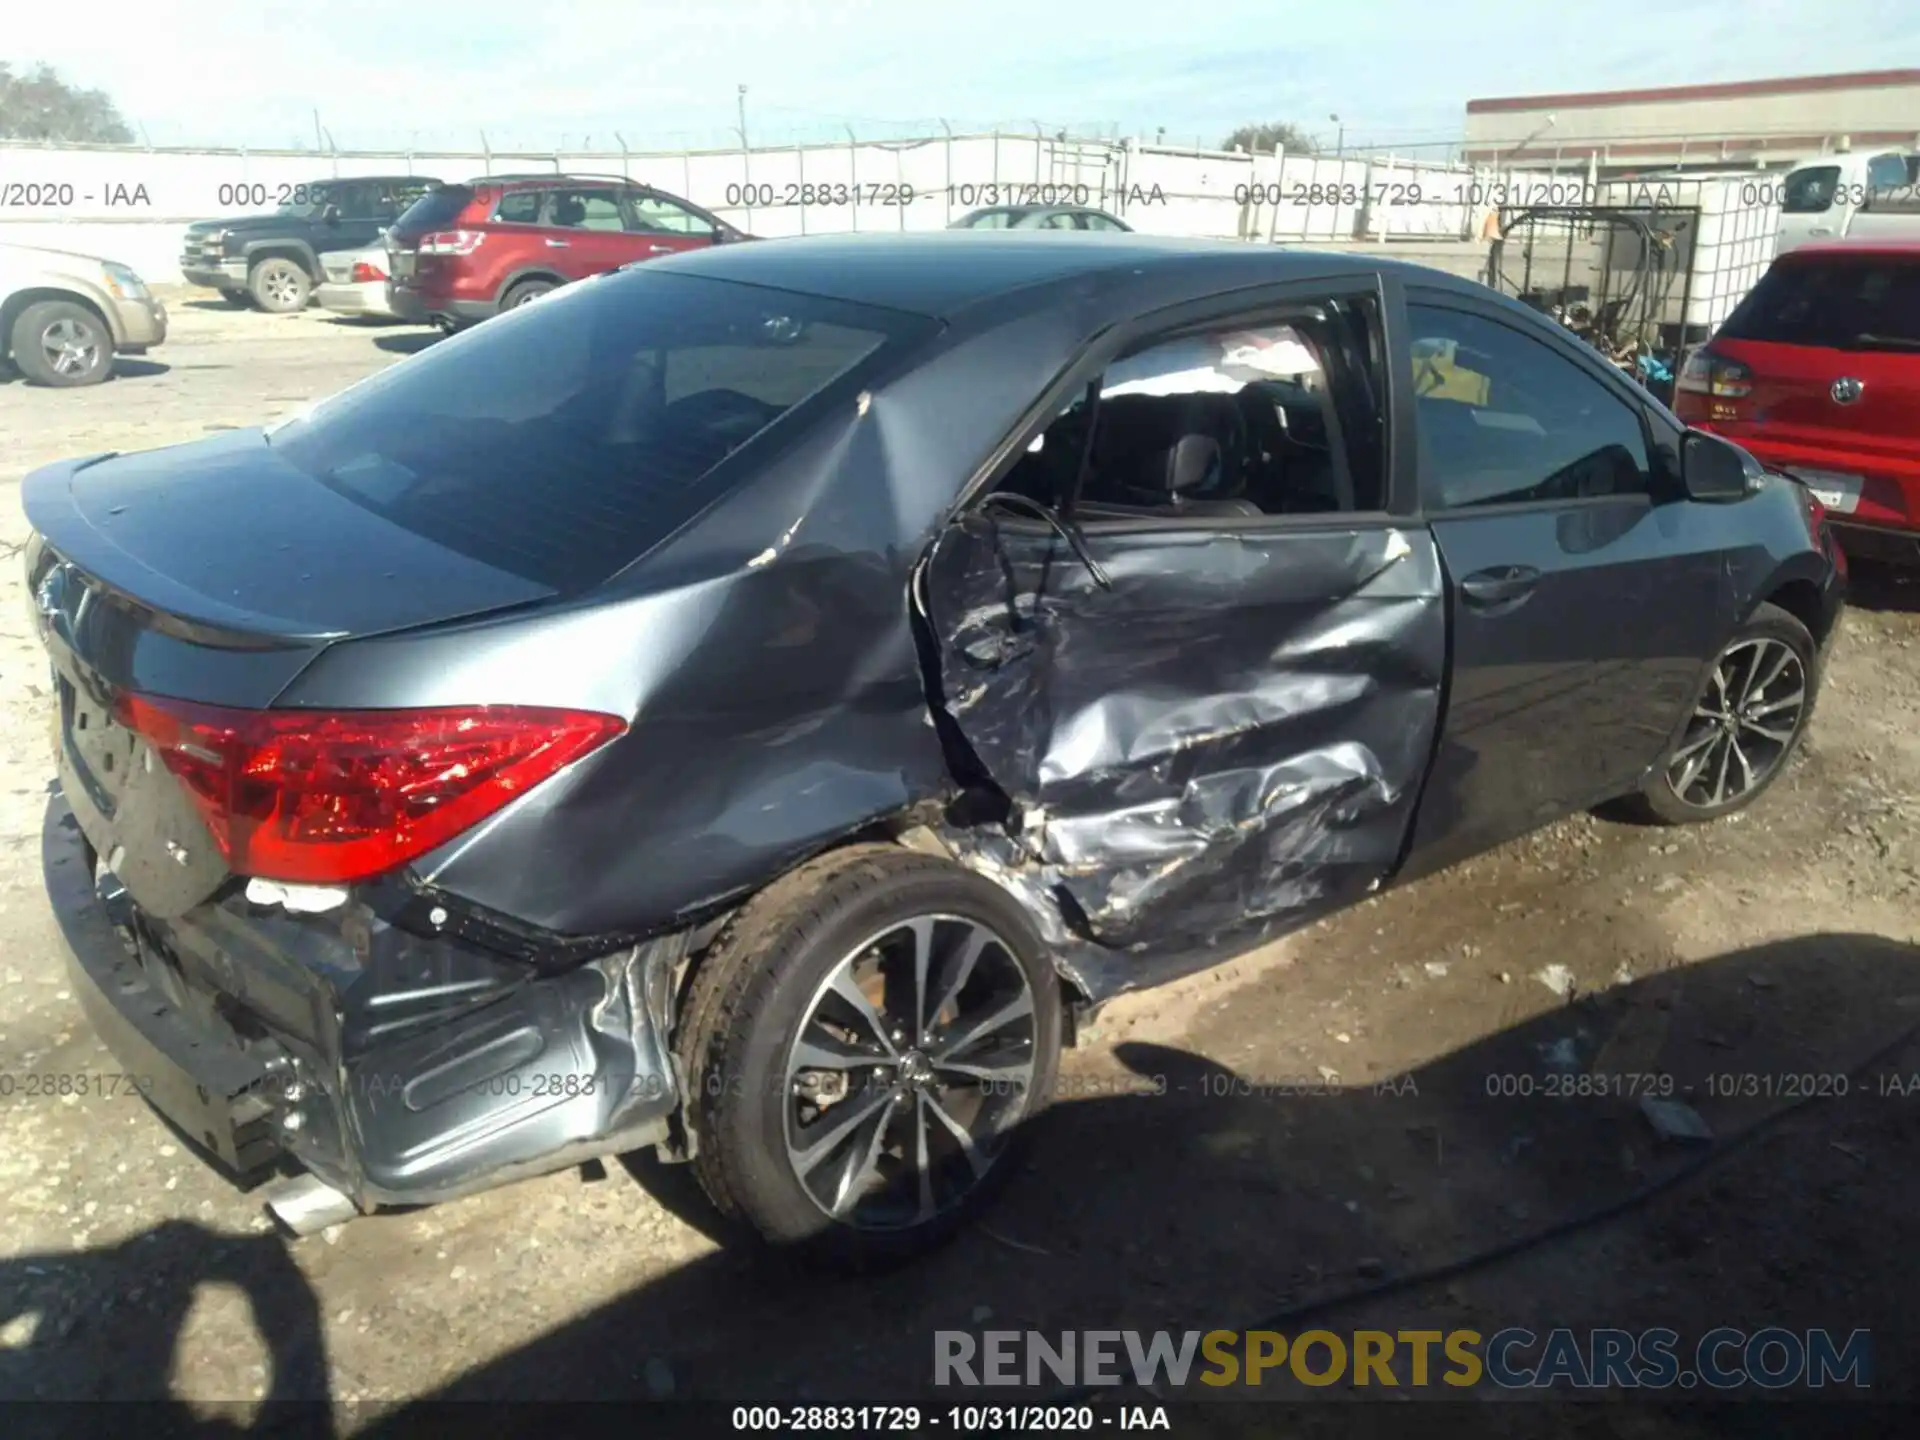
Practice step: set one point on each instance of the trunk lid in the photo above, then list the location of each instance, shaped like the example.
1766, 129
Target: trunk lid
209, 572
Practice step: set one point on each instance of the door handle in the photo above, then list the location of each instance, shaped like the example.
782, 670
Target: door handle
1500, 584
558, 244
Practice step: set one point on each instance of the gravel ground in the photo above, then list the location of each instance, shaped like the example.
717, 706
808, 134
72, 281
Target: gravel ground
1327, 1136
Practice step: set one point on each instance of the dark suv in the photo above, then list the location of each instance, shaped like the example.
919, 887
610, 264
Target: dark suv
274, 258
467, 252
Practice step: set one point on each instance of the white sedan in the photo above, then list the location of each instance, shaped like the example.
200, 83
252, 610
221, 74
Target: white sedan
355, 283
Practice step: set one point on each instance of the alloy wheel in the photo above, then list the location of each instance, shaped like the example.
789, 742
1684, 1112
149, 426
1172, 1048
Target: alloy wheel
71, 348
912, 1066
1743, 726
281, 286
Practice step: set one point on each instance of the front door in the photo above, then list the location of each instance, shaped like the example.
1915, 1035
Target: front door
1198, 654
659, 225
1586, 593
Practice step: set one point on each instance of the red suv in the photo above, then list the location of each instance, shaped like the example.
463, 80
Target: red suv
464, 252
1818, 374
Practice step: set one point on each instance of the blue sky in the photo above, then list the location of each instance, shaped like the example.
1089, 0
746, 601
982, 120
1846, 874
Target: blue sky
552, 72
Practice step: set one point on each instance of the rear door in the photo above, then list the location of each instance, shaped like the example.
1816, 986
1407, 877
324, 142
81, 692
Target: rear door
362, 215
1832, 344
659, 225
585, 230
1586, 592
1206, 671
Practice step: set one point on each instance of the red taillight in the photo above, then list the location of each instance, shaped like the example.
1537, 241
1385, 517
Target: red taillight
365, 273
451, 242
327, 797
1706, 373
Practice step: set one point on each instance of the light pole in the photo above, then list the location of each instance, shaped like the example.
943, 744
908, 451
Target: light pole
1340, 138
743, 117
1541, 130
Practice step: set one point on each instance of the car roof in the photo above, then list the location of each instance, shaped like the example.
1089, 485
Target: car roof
1904, 245
940, 272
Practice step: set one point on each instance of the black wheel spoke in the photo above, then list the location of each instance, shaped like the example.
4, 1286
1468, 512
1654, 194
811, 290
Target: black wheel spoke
1742, 727
895, 1105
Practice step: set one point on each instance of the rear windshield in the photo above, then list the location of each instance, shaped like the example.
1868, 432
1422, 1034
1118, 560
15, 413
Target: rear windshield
561, 440
435, 208
1849, 302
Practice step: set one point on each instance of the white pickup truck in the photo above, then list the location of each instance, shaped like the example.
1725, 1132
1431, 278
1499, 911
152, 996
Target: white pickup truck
1860, 195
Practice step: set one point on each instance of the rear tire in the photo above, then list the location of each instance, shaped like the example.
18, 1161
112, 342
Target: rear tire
525, 293
1752, 710
279, 286
62, 343
781, 987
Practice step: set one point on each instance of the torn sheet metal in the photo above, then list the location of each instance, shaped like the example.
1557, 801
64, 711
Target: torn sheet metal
1228, 741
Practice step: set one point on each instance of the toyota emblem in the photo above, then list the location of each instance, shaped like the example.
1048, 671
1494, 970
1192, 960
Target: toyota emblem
1846, 390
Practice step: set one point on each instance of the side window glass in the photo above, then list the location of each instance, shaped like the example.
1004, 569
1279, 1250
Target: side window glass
657, 214
1810, 191
584, 210
519, 207
1059, 220
1503, 419
1886, 181
1279, 417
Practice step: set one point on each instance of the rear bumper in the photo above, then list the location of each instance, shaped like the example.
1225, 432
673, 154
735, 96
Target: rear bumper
397, 1069
350, 298
408, 303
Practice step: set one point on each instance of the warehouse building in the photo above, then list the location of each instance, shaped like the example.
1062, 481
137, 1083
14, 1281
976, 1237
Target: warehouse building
1749, 122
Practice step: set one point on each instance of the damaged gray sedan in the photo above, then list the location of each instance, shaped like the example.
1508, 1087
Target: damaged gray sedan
752, 705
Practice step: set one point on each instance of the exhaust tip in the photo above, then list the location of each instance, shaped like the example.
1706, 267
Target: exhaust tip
305, 1205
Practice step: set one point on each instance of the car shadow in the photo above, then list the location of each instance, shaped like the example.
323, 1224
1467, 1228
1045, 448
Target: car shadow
411, 343
1490, 1186
216, 303
133, 367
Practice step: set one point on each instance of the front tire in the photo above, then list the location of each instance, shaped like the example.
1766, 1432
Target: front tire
279, 286
867, 1047
1749, 717
62, 343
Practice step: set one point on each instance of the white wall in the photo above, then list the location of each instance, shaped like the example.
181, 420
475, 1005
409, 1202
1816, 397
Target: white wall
130, 204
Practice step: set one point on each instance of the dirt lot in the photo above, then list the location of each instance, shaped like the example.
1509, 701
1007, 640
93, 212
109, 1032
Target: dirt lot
1327, 1136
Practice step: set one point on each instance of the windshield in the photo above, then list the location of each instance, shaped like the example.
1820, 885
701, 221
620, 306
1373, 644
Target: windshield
561, 440
1852, 302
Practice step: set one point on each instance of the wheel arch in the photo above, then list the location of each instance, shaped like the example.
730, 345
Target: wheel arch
521, 276
16, 304
1803, 587
283, 248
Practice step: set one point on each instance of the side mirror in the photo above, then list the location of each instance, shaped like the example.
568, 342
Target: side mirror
330, 213
1716, 469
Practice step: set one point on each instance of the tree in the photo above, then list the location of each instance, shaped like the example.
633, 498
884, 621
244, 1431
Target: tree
39, 105
1264, 138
